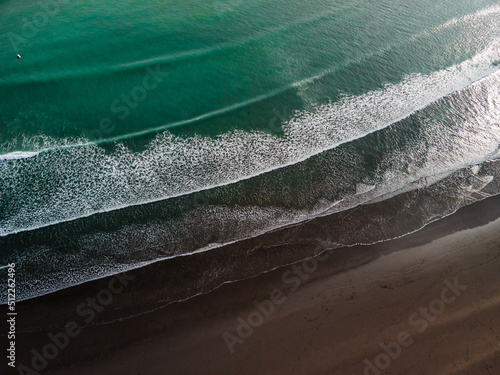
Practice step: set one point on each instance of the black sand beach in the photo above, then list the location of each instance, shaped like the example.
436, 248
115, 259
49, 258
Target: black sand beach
335, 311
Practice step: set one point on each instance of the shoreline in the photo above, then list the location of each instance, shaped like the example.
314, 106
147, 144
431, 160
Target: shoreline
175, 323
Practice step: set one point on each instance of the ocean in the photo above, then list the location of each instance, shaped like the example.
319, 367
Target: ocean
134, 132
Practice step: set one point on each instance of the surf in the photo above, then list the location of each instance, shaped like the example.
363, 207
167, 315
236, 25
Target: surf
165, 146
307, 134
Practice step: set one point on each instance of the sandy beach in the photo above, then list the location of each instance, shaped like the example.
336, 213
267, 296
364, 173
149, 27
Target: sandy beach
423, 304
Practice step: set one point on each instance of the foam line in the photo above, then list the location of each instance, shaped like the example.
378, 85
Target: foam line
92, 176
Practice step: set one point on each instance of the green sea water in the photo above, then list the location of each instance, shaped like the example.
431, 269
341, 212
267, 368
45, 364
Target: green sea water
82, 61
131, 131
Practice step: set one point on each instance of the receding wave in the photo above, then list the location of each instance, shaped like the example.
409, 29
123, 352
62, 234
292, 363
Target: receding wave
104, 253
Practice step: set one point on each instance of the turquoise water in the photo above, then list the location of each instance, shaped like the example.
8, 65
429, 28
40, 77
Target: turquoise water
132, 131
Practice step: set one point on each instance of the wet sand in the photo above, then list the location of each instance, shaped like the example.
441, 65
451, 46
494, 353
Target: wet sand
431, 299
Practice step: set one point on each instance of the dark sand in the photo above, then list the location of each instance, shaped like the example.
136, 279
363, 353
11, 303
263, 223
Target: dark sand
338, 317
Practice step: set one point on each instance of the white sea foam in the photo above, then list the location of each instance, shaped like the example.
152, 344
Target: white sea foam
94, 181
238, 223
470, 18
18, 155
